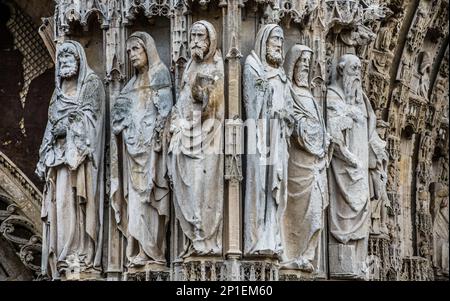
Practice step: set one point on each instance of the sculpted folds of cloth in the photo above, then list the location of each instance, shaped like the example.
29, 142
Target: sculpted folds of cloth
268, 104
141, 198
352, 125
439, 211
195, 151
303, 218
71, 162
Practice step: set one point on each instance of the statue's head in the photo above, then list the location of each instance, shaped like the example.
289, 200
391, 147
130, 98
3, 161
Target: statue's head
200, 41
274, 47
136, 53
69, 60
301, 69
349, 71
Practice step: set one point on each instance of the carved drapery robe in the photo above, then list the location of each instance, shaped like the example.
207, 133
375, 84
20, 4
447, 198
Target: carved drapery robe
268, 103
349, 186
72, 208
195, 153
303, 218
141, 199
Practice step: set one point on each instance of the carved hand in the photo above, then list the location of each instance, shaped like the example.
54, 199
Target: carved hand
59, 129
200, 95
119, 115
354, 113
40, 170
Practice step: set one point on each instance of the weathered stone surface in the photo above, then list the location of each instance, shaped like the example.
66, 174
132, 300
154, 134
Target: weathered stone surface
71, 162
227, 215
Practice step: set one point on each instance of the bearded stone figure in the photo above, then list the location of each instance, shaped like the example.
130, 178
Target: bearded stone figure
141, 198
268, 104
71, 162
195, 151
352, 125
303, 218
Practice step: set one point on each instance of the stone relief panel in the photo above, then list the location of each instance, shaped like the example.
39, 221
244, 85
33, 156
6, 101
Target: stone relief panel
330, 131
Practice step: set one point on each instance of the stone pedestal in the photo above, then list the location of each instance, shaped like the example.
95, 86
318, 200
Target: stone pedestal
148, 272
259, 269
76, 275
297, 275
203, 269
343, 262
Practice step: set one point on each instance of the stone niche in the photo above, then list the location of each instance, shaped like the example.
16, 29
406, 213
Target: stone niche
404, 92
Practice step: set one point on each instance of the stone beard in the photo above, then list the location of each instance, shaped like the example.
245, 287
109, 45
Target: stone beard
139, 120
68, 68
301, 70
71, 162
200, 42
352, 125
274, 54
268, 103
195, 155
303, 217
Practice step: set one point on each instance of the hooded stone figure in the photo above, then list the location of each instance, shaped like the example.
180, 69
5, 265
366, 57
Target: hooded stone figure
303, 218
71, 161
141, 199
268, 107
356, 149
195, 152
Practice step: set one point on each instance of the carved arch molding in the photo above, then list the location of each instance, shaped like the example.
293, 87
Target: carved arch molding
20, 224
403, 46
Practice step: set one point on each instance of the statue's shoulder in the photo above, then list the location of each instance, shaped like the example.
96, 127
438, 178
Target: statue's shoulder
161, 76
252, 59
252, 63
93, 80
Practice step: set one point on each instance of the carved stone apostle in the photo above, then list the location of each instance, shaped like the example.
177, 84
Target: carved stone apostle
303, 218
71, 162
352, 125
268, 104
195, 151
138, 121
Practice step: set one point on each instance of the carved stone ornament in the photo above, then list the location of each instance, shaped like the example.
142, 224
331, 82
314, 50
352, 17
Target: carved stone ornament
201, 140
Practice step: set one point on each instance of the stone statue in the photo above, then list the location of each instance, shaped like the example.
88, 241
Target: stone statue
439, 212
303, 218
138, 120
268, 103
195, 151
380, 203
424, 71
352, 125
71, 162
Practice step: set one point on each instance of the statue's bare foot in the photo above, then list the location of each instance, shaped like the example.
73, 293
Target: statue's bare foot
305, 265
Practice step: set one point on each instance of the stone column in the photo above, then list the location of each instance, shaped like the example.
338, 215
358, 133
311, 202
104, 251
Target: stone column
234, 140
114, 39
